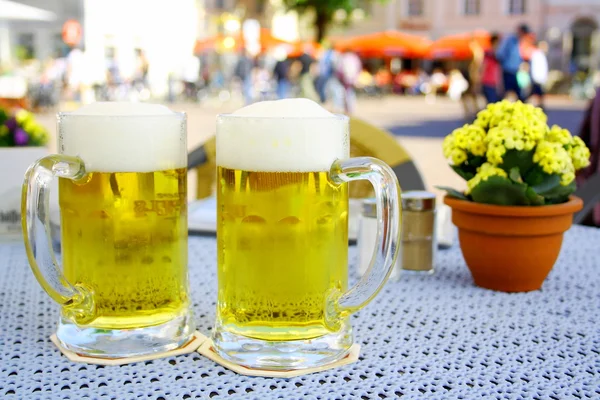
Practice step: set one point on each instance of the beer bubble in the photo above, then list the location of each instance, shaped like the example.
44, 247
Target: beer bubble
147, 260
253, 219
289, 220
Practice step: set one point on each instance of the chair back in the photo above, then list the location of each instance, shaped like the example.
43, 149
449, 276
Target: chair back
365, 140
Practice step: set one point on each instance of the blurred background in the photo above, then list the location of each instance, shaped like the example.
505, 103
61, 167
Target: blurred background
412, 67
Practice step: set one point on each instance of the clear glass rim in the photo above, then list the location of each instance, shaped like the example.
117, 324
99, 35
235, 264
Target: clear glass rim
337, 117
69, 114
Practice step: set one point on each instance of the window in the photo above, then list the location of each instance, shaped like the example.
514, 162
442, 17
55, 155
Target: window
26, 46
415, 8
516, 7
472, 7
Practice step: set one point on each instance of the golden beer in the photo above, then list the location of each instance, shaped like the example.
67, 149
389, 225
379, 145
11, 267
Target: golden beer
282, 247
124, 237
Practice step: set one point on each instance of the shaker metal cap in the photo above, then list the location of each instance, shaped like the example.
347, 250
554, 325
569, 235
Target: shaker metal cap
369, 208
418, 200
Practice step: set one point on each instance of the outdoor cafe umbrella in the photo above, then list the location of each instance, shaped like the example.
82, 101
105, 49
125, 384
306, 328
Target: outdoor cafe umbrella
458, 47
386, 44
10, 10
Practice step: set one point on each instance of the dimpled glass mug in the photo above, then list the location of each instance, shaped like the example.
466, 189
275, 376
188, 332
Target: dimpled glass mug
122, 285
282, 235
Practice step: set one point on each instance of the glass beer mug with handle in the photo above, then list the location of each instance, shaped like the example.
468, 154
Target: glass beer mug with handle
282, 235
122, 285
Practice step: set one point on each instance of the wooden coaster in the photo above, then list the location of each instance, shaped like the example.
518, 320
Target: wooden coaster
207, 350
189, 347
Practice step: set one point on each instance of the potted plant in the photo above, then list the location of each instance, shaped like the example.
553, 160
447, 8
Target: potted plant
22, 141
519, 199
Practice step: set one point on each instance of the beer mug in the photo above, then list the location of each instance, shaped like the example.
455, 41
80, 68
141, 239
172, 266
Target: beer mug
282, 235
122, 285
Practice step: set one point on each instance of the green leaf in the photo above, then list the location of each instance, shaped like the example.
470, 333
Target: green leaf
500, 191
452, 192
535, 176
548, 184
515, 175
476, 161
534, 198
517, 158
464, 172
560, 194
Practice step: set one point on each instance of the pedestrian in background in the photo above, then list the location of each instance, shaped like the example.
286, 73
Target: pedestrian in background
539, 72
491, 72
509, 56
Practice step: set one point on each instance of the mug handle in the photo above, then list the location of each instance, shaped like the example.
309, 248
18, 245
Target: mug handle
76, 300
387, 193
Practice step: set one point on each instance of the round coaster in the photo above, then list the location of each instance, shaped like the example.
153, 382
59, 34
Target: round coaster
207, 350
191, 346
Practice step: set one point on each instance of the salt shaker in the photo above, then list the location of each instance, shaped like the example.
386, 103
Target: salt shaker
419, 242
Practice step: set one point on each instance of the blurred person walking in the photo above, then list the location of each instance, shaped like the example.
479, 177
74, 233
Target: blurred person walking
509, 56
140, 73
190, 77
524, 79
590, 134
349, 68
472, 74
243, 71
491, 72
539, 72
307, 83
326, 70
281, 72
74, 74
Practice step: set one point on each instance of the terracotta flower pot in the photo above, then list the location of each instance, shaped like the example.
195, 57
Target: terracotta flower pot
511, 248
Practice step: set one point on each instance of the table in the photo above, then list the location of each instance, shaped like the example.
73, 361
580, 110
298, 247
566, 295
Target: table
434, 337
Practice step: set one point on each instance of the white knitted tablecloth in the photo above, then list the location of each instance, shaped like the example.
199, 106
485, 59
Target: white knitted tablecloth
430, 337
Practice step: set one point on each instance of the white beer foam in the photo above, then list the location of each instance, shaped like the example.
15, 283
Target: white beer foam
290, 135
124, 137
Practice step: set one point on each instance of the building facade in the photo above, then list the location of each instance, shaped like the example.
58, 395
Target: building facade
40, 39
435, 18
572, 28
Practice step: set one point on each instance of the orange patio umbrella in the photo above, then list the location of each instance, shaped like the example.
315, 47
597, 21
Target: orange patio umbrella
458, 47
207, 44
386, 44
300, 47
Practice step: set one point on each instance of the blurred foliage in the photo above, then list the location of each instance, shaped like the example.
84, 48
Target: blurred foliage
324, 11
20, 128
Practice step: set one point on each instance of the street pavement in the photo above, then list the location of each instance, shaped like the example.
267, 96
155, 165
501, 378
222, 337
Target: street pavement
419, 126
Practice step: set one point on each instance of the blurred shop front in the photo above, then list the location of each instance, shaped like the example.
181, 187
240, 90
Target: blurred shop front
117, 31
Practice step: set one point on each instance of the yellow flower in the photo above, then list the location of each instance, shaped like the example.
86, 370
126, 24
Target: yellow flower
458, 156
30, 126
23, 116
470, 139
555, 159
558, 135
483, 173
579, 153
